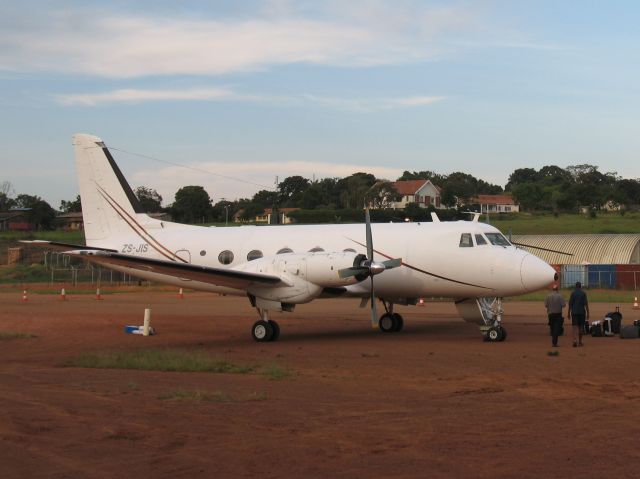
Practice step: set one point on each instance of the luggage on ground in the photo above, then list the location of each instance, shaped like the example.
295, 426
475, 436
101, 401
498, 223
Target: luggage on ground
629, 332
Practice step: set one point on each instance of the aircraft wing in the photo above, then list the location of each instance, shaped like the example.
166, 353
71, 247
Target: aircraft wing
62, 247
217, 276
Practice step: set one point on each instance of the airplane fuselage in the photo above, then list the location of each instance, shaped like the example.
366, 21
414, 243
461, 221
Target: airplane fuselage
434, 263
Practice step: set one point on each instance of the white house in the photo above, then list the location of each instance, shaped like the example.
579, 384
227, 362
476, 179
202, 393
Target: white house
422, 192
496, 203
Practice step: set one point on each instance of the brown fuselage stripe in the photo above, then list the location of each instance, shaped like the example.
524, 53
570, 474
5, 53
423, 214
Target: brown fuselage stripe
421, 270
138, 229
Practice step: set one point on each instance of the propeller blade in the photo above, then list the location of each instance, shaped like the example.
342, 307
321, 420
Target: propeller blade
374, 309
369, 235
353, 271
392, 263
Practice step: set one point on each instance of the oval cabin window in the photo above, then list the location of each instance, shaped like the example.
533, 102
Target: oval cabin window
225, 257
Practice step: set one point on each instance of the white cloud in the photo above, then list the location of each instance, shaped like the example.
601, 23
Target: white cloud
223, 94
251, 176
116, 45
138, 96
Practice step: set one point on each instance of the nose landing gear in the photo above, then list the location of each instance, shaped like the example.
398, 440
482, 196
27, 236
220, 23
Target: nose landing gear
487, 314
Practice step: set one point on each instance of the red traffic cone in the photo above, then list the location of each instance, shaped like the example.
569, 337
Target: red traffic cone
180, 294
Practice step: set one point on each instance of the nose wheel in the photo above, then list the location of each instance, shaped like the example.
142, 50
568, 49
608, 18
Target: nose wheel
495, 334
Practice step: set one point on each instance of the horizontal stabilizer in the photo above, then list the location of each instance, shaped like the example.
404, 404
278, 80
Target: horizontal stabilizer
57, 246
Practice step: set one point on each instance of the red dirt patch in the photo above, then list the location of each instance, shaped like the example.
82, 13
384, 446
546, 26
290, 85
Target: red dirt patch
431, 401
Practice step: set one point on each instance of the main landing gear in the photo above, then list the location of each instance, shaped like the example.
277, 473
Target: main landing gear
390, 322
265, 329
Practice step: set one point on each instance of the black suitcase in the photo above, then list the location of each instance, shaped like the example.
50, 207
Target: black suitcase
596, 329
616, 320
629, 332
586, 329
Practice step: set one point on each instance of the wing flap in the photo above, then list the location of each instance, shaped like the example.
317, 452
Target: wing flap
220, 277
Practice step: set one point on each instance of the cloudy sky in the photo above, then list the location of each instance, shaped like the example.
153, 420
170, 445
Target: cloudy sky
213, 92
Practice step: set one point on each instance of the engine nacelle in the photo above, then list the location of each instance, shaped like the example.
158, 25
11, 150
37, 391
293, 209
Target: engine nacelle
304, 275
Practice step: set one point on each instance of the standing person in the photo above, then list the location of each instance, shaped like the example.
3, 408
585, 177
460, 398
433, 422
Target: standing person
578, 311
554, 304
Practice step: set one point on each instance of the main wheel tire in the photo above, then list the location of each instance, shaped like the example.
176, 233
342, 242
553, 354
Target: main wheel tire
262, 331
387, 323
398, 322
504, 333
276, 330
494, 334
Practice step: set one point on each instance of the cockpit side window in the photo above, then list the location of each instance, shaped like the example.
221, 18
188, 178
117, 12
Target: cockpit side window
480, 240
465, 240
497, 239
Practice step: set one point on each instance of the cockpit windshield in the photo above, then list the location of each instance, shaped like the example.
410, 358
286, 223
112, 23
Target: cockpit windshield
497, 239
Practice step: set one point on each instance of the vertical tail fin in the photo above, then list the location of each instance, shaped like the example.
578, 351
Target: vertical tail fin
109, 206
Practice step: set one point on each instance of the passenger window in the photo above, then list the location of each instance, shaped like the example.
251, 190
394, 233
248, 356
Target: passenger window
284, 251
480, 240
225, 257
254, 254
465, 240
317, 249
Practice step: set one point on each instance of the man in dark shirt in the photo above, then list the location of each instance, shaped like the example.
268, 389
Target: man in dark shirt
554, 304
578, 311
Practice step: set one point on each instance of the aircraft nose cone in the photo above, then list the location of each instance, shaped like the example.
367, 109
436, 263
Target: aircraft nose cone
535, 274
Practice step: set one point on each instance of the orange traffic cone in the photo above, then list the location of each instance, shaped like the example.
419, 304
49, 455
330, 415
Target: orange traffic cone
635, 303
63, 295
421, 302
98, 296
24, 295
180, 294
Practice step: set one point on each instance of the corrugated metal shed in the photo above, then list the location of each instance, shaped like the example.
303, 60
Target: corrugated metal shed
586, 249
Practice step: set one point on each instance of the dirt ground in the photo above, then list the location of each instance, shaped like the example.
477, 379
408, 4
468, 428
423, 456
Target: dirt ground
430, 401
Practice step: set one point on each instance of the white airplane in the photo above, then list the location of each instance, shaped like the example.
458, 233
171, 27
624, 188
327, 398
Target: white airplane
280, 267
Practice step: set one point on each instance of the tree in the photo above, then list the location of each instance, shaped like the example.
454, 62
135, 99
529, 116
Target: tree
74, 206
149, 199
40, 213
265, 198
321, 194
6, 202
382, 194
291, 190
459, 184
192, 205
530, 195
520, 176
354, 188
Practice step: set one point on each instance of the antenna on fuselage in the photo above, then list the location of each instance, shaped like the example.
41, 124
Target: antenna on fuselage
476, 215
434, 217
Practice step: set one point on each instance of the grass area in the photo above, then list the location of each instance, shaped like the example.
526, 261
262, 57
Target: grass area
159, 360
215, 396
6, 335
74, 237
276, 373
547, 223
